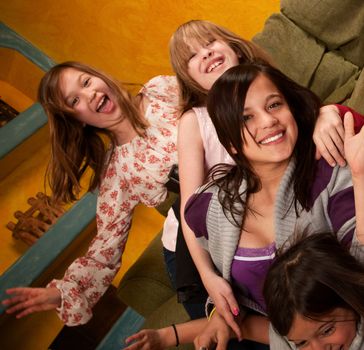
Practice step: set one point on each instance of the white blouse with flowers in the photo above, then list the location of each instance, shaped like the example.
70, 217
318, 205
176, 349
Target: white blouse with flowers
136, 173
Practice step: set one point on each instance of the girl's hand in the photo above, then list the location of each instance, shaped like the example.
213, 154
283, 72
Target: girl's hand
146, 339
217, 332
25, 301
223, 297
329, 136
354, 146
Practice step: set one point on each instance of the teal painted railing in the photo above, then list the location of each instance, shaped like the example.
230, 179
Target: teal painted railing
12, 40
30, 266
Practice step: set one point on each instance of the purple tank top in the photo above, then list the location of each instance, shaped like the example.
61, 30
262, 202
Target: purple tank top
248, 271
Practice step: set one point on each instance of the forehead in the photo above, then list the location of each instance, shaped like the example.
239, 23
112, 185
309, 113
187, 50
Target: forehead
69, 80
304, 328
192, 40
261, 86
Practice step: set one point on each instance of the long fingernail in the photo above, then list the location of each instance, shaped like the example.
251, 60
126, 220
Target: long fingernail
235, 311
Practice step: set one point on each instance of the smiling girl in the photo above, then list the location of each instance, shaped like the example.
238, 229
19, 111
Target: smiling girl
314, 293
248, 210
83, 105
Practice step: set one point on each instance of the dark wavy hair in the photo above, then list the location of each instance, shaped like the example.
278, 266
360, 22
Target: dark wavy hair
225, 104
75, 147
313, 277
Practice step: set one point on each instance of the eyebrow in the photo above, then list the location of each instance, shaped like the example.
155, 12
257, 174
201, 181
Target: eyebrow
270, 96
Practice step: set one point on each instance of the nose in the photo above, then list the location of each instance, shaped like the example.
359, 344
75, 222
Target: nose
267, 120
207, 53
88, 94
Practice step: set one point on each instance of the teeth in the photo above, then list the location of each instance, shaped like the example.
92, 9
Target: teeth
101, 103
213, 66
271, 139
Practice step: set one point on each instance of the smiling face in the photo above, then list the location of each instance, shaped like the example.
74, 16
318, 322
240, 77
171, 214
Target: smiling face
208, 62
335, 331
91, 100
270, 130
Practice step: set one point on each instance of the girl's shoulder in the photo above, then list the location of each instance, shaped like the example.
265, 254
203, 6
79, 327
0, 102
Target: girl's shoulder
163, 88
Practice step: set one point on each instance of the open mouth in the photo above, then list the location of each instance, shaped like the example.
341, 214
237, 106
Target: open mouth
104, 104
272, 139
214, 64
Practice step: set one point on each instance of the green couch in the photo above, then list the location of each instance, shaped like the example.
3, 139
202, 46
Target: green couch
318, 43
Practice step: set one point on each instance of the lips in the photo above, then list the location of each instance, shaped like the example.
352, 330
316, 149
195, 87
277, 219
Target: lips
214, 63
272, 138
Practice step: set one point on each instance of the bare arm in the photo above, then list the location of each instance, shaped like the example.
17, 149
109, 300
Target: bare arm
191, 160
148, 339
354, 145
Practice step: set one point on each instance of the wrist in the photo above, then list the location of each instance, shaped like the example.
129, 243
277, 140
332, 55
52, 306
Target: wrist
167, 337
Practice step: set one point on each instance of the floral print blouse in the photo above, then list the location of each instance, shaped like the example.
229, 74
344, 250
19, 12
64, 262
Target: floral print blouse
136, 173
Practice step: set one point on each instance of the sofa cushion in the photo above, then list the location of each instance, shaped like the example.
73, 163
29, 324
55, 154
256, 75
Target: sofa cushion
337, 24
146, 285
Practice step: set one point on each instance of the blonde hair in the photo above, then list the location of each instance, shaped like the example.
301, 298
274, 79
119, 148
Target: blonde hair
203, 32
75, 147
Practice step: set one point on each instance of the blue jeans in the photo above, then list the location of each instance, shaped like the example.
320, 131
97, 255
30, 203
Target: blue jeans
195, 311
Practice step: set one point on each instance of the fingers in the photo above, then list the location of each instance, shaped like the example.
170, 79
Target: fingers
22, 303
230, 320
134, 337
232, 303
227, 311
331, 148
29, 300
349, 125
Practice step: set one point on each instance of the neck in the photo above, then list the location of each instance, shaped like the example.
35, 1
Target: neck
124, 131
270, 177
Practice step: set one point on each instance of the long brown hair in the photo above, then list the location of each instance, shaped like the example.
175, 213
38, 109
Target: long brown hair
75, 147
202, 32
225, 105
314, 276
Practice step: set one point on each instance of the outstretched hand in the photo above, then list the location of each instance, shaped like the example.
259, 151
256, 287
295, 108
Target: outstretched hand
329, 136
146, 339
24, 301
223, 297
354, 146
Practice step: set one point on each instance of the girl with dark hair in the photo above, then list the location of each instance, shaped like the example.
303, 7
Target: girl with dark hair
266, 121
130, 145
314, 293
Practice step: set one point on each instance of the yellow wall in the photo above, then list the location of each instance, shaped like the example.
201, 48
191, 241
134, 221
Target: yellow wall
126, 38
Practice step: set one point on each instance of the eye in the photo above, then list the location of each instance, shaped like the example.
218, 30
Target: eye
86, 82
247, 117
275, 105
328, 331
193, 54
74, 101
210, 42
301, 344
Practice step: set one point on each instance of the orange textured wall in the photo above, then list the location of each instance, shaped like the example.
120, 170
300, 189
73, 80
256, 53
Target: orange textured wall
128, 39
